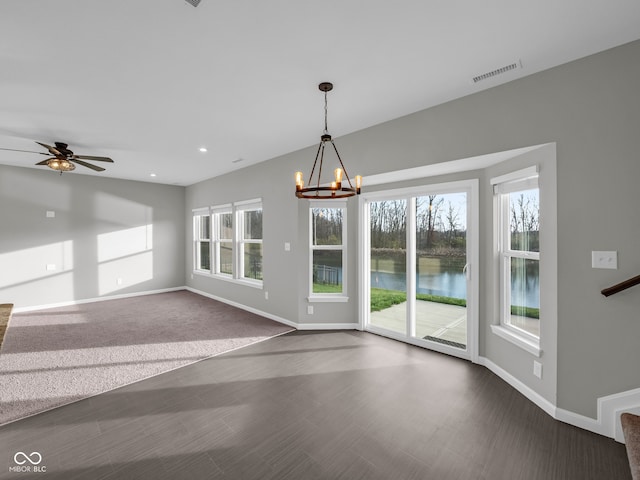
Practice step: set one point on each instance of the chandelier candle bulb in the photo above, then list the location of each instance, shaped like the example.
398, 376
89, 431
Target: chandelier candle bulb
299, 181
338, 174
358, 183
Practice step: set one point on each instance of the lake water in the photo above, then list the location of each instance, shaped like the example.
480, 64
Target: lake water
453, 283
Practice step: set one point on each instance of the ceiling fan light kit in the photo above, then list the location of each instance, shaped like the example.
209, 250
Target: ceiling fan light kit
63, 159
63, 165
336, 188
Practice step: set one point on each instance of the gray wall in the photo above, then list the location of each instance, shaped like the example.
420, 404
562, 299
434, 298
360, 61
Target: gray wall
103, 230
591, 109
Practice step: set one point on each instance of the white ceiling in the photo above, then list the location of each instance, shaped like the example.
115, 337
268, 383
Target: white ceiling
148, 82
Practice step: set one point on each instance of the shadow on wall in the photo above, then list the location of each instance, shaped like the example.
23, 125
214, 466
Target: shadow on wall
70, 242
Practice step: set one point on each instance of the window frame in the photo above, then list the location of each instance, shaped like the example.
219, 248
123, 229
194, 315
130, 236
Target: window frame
241, 208
216, 239
328, 297
237, 241
503, 186
197, 240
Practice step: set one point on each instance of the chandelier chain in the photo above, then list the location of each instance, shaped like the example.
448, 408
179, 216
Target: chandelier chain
326, 109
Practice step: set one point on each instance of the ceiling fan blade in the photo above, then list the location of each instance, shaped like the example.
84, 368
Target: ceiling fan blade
52, 150
26, 151
88, 165
91, 157
44, 162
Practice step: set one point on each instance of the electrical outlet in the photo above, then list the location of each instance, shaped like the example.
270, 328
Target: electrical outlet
604, 260
51, 214
266, 295
50, 267
287, 247
310, 310
119, 281
537, 369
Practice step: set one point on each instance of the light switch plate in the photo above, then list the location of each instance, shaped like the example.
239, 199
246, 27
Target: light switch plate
537, 369
604, 259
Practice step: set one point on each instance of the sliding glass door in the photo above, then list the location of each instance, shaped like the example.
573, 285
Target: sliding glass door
388, 264
441, 260
418, 260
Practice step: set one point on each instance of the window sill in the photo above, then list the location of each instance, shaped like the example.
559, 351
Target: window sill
327, 298
249, 283
228, 278
531, 346
202, 273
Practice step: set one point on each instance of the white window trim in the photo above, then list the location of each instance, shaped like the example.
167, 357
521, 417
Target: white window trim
523, 179
240, 208
516, 176
216, 211
328, 297
196, 213
471, 187
517, 339
213, 211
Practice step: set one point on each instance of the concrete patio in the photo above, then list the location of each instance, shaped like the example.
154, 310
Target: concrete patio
438, 320
447, 323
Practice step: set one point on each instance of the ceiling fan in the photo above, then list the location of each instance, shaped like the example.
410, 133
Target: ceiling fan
63, 159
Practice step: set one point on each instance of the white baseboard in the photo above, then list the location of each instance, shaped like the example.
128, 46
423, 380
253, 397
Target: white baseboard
610, 407
298, 326
327, 326
244, 307
586, 423
96, 299
528, 392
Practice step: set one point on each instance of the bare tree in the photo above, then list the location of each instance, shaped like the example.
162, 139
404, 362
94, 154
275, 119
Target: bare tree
452, 217
432, 218
525, 222
388, 223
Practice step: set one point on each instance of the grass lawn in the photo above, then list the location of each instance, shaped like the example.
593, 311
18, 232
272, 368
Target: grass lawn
381, 299
325, 288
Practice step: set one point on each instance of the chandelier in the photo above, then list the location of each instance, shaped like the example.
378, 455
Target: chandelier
336, 189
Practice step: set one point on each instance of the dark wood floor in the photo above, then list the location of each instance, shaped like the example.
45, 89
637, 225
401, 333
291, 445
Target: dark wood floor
313, 405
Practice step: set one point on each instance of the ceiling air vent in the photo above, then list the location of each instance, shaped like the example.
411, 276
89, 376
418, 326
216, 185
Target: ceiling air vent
497, 71
195, 3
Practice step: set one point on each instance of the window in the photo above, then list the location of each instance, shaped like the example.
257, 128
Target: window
328, 250
250, 240
228, 241
517, 198
202, 240
223, 239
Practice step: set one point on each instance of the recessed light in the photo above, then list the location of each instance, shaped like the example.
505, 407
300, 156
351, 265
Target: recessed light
152, 175
203, 149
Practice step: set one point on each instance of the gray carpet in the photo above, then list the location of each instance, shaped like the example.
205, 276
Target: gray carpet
57, 356
5, 315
